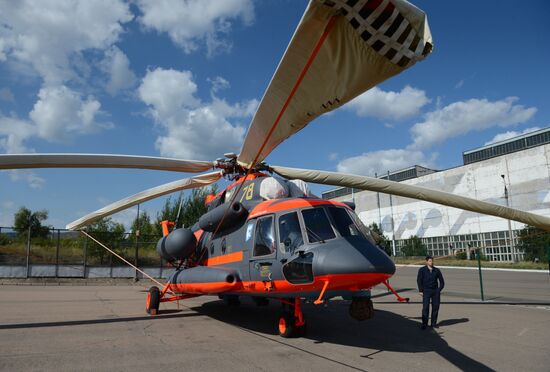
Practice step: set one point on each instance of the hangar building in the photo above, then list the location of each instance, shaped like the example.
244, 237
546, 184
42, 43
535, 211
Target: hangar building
518, 167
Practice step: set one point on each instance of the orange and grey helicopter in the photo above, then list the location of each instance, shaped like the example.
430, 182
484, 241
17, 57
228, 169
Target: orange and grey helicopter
265, 235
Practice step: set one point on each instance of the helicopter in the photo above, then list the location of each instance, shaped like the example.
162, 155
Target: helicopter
265, 235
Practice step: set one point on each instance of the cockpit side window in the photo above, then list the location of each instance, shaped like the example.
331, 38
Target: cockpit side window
317, 225
343, 222
264, 241
290, 233
365, 231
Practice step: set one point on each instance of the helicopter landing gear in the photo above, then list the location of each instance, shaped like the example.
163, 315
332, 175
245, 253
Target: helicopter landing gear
153, 301
261, 301
292, 323
361, 308
231, 300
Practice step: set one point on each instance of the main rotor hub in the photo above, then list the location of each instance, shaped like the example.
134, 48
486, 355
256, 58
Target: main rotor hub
232, 169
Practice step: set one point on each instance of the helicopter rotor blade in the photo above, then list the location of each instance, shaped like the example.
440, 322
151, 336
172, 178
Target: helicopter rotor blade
414, 192
337, 52
155, 192
20, 161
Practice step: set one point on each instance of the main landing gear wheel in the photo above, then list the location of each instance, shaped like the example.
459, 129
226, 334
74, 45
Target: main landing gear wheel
232, 300
153, 301
261, 301
361, 308
287, 326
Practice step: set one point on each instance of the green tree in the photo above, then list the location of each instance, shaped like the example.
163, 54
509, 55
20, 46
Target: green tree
192, 208
25, 218
169, 212
380, 238
414, 247
4, 239
108, 232
144, 225
533, 241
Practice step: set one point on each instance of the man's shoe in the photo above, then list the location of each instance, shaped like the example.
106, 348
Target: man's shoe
434, 325
423, 327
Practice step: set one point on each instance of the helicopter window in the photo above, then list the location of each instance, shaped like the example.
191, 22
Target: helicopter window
299, 270
290, 233
212, 248
264, 242
365, 231
343, 222
317, 225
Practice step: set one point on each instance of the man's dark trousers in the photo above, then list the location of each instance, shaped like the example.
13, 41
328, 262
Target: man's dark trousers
433, 295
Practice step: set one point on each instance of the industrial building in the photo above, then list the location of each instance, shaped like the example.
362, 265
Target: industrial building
515, 172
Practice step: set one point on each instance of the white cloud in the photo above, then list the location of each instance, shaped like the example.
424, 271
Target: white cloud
168, 91
204, 21
61, 113
510, 134
192, 129
13, 133
117, 67
389, 105
218, 83
46, 34
28, 176
461, 117
380, 162
47, 39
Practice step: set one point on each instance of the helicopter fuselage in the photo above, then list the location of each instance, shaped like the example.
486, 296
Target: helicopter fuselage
290, 247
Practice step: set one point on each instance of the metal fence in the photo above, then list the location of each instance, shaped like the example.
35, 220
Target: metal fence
64, 253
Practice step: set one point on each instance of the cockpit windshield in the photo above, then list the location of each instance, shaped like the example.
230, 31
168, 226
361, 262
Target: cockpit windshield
317, 225
343, 222
290, 234
364, 229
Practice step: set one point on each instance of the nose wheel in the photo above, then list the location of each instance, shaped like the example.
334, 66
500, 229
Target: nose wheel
292, 323
361, 308
153, 301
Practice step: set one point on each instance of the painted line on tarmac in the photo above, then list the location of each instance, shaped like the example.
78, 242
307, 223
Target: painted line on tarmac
484, 268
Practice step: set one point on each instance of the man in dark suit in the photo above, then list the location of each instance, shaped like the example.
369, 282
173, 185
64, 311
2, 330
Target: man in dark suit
430, 284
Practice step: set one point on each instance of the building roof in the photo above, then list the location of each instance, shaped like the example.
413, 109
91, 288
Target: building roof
518, 143
398, 176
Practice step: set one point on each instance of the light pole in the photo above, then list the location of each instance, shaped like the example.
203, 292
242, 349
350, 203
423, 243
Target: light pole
392, 225
506, 196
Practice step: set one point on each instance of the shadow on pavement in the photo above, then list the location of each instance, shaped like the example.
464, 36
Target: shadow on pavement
166, 314
477, 302
387, 331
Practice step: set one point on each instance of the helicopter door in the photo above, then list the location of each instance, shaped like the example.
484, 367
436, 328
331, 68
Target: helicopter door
264, 252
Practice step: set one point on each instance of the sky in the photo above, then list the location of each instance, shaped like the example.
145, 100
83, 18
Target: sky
183, 79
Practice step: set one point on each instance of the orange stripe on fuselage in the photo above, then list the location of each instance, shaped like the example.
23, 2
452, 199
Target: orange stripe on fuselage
224, 259
277, 205
342, 282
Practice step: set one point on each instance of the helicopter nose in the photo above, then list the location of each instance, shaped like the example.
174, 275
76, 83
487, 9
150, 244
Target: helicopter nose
351, 255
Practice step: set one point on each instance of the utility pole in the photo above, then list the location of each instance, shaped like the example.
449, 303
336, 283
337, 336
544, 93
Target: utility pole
477, 252
506, 196
392, 224
378, 205
137, 232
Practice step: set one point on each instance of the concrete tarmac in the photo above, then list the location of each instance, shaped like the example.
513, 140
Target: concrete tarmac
67, 328
502, 286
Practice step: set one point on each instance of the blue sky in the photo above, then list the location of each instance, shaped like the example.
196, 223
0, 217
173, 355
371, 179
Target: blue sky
97, 80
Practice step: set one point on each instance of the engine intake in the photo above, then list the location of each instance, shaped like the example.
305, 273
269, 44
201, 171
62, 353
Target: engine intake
235, 214
178, 245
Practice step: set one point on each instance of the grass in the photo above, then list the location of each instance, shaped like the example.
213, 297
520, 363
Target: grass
450, 261
72, 252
